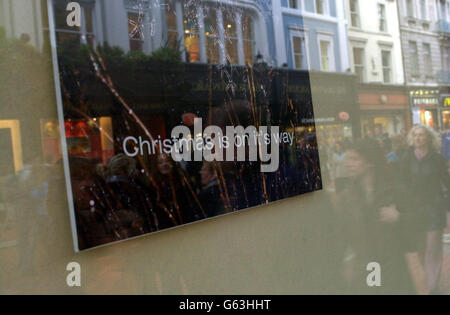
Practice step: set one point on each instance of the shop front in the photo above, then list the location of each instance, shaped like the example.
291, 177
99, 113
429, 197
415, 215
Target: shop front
335, 107
445, 111
424, 104
384, 109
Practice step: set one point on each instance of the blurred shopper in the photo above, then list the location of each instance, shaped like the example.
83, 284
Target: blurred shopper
122, 180
28, 191
210, 195
398, 148
424, 172
176, 195
446, 146
339, 172
371, 222
379, 133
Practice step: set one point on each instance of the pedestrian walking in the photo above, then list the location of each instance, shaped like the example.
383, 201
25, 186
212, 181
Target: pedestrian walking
424, 172
372, 218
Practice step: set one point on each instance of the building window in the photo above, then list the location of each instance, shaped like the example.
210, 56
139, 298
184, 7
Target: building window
443, 9
321, 6
427, 58
299, 53
359, 64
231, 37
423, 9
135, 31
191, 33
74, 36
445, 53
386, 62
293, 4
171, 22
327, 62
215, 34
354, 13
382, 17
45, 26
448, 11
248, 34
212, 36
414, 57
410, 8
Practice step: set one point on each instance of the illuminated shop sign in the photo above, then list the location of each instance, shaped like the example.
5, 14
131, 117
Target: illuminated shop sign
424, 98
446, 102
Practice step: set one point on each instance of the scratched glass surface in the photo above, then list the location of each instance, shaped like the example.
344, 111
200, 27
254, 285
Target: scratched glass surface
117, 102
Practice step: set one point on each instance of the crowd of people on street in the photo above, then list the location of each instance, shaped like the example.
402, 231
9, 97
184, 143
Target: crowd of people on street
393, 198
390, 199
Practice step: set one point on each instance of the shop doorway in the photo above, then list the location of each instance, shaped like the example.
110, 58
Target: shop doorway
446, 119
10, 139
6, 153
426, 117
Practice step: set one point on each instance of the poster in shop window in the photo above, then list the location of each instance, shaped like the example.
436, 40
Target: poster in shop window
174, 112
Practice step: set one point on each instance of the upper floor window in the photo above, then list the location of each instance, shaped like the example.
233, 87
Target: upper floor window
45, 25
293, 4
73, 35
299, 52
191, 33
231, 37
441, 8
382, 17
386, 62
321, 6
327, 62
211, 35
414, 58
448, 10
423, 9
428, 65
445, 58
444, 10
135, 31
410, 12
354, 13
214, 34
248, 34
358, 62
171, 23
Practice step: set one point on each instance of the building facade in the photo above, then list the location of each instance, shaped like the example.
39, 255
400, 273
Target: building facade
444, 73
376, 58
225, 32
312, 36
24, 19
424, 27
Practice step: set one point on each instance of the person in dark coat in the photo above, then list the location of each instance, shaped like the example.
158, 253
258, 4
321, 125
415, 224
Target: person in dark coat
176, 195
372, 217
424, 172
209, 196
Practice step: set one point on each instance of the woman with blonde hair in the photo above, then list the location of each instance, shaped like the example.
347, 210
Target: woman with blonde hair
424, 174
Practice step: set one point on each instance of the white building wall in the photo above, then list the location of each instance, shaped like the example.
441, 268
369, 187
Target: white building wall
332, 23
116, 22
373, 41
422, 30
22, 18
342, 34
